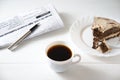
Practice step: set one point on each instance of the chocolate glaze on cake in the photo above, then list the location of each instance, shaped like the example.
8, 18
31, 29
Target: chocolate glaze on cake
104, 29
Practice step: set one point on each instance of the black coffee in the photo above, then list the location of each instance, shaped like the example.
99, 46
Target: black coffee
59, 53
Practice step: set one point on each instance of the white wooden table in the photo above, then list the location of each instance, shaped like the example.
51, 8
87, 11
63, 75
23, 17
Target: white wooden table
28, 61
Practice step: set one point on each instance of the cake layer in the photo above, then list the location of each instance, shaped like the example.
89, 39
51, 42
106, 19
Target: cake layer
107, 34
104, 24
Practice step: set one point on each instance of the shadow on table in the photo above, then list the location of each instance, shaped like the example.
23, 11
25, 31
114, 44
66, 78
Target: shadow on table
80, 72
108, 60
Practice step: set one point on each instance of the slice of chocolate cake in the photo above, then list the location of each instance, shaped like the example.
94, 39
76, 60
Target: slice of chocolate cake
103, 47
104, 29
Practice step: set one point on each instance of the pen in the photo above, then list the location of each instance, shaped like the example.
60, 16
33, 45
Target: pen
16, 43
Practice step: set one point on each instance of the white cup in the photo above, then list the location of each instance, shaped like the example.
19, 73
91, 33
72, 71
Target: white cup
61, 65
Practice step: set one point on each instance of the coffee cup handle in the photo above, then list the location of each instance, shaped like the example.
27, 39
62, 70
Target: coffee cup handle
78, 58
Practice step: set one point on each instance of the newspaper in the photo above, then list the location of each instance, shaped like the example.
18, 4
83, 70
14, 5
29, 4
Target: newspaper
13, 28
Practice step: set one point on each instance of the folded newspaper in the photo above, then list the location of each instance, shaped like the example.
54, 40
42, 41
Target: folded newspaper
13, 28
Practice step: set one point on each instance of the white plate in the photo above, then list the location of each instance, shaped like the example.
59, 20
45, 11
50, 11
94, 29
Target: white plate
81, 35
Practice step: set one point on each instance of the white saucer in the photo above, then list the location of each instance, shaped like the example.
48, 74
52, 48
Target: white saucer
81, 35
